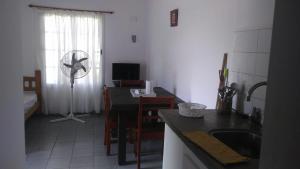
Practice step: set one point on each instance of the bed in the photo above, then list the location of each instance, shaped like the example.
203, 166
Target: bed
32, 94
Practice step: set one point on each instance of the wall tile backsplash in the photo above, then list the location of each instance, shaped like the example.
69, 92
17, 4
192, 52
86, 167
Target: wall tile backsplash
264, 40
248, 64
246, 41
262, 64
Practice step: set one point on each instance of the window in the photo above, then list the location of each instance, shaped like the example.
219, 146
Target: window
65, 32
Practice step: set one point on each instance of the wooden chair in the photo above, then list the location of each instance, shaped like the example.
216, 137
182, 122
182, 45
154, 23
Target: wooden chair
148, 125
131, 122
110, 122
132, 83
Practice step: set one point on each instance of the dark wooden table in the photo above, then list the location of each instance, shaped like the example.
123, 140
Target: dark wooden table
124, 105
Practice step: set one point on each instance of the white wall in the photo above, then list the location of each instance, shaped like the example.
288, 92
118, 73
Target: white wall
186, 59
12, 145
127, 20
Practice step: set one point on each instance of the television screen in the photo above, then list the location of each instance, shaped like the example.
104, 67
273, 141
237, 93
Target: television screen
125, 71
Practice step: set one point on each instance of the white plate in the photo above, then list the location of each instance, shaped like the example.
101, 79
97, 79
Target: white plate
141, 92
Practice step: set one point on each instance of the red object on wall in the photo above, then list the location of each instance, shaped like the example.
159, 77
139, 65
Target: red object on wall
174, 18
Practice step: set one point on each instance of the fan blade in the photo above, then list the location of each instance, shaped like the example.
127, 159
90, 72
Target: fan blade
73, 58
84, 69
67, 65
80, 60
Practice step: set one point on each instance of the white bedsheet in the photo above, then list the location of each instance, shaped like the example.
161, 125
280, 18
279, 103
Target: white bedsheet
30, 99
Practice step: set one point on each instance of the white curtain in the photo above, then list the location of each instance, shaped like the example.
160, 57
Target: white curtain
61, 32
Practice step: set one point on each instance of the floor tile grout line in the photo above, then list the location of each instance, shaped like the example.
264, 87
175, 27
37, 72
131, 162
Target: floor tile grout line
76, 130
52, 150
93, 144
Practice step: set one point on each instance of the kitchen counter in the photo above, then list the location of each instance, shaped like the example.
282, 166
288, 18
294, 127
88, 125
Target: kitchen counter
212, 120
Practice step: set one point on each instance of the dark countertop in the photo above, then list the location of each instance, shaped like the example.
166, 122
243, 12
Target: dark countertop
212, 120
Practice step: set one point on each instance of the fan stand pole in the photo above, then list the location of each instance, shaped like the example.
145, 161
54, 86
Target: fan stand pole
71, 115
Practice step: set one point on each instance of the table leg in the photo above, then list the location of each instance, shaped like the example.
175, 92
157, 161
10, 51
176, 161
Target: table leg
121, 139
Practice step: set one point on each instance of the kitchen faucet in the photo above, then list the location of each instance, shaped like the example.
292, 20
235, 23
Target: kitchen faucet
254, 87
256, 112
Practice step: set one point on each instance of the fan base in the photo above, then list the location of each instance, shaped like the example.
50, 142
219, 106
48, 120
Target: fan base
71, 116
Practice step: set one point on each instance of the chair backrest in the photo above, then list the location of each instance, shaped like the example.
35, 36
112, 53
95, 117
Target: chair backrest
132, 83
106, 99
153, 104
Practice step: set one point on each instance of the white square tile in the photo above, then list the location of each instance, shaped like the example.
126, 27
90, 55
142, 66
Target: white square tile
245, 62
81, 138
63, 145
34, 166
105, 161
232, 62
232, 77
66, 138
246, 41
254, 14
82, 162
39, 147
82, 152
36, 163
244, 81
99, 140
62, 153
264, 40
90, 167
84, 145
262, 64
131, 166
61, 163
100, 150
39, 155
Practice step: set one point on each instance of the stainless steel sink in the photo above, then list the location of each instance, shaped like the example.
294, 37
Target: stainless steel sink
245, 142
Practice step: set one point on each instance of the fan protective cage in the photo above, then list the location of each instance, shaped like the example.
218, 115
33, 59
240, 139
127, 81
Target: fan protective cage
67, 58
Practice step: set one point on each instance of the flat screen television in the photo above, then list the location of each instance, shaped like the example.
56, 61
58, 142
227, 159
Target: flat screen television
125, 71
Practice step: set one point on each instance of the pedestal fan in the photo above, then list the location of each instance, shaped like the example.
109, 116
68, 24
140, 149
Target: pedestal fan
75, 65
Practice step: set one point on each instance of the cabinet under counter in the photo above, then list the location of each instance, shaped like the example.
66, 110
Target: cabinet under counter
181, 153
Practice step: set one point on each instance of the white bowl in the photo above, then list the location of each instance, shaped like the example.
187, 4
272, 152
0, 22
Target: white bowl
191, 109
